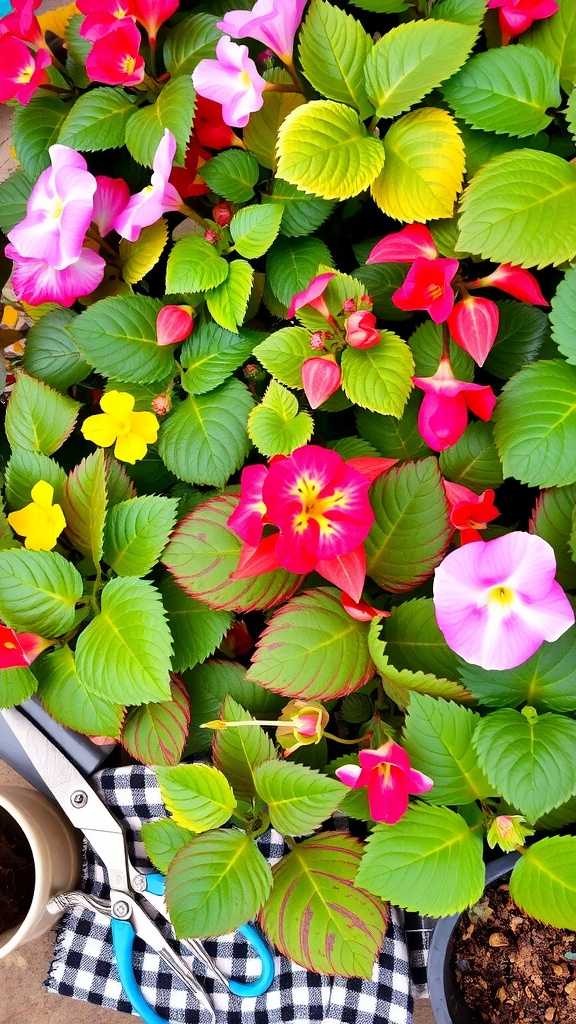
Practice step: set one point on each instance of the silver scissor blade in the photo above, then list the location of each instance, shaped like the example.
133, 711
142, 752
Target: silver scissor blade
76, 797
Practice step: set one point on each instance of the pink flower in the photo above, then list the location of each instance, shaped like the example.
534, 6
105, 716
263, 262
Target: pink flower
232, 80
272, 22
247, 519
102, 16
111, 197
21, 72
496, 602
405, 246
313, 296
35, 281
153, 13
59, 211
387, 774
473, 323
443, 415
173, 324
114, 57
361, 330
20, 22
427, 286
518, 15
17, 650
147, 206
321, 377
515, 281
470, 512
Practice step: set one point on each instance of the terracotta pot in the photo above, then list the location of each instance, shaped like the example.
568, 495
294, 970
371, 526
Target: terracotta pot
55, 847
447, 1002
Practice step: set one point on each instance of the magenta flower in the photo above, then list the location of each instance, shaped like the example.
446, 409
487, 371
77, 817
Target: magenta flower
473, 323
21, 72
20, 22
102, 16
496, 602
232, 80
518, 15
59, 211
147, 206
153, 13
313, 296
114, 58
428, 286
272, 22
110, 199
443, 415
34, 281
387, 774
514, 281
321, 377
361, 330
405, 246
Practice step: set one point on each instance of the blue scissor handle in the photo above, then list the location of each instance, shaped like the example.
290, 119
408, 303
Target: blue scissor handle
155, 884
5, 8
123, 936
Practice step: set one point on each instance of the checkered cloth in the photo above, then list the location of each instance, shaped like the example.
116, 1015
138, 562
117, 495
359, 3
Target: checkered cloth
84, 967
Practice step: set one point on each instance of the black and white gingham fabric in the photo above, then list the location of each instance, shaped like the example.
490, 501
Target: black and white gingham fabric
84, 968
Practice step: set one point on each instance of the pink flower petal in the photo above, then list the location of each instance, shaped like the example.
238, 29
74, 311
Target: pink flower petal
36, 282
473, 323
350, 774
405, 246
387, 798
232, 80
247, 518
321, 377
272, 22
111, 198
348, 572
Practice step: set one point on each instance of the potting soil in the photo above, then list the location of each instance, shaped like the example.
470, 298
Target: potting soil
16, 873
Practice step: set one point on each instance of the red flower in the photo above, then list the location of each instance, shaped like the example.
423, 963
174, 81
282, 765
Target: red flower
185, 179
517, 15
114, 58
443, 415
153, 13
428, 286
102, 16
470, 512
321, 377
20, 22
313, 296
247, 519
515, 281
18, 650
404, 246
473, 323
389, 778
361, 330
209, 127
21, 72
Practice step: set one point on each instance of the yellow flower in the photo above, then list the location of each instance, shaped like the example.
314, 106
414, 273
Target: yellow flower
132, 431
41, 522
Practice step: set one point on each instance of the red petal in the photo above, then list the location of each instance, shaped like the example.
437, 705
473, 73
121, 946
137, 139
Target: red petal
404, 246
514, 281
256, 561
346, 571
370, 466
473, 324
321, 377
362, 611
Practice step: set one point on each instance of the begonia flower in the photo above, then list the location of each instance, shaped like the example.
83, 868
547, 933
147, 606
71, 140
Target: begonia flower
389, 778
130, 432
473, 324
321, 377
147, 206
21, 71
110, 199
102, 16
35, 281
361, 330
173, 324
428, 286
313, 296
59, 211
496, 602
508, 831
515, 281
40, 522
18, 650
405, 246
20, 22
232, 80
114, 58
470, 512
518, 15
153, 13
247, 519
186, 180
443, 415
272, 22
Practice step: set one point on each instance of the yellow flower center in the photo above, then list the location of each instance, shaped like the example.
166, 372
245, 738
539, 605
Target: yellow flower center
57, 208
314, 507
11, 647
434, 291
26, 73
123, 427
128, 64
245, 80
501, 595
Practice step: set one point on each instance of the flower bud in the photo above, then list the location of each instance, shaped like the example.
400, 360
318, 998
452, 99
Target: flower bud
349, 305
162, 404
317, 341
508, 831
306, 723
321, 377
222, 214
174, 324
361, 331
211, 236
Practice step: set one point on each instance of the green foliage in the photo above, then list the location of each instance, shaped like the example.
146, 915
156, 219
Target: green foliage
194, 266
138, 258
196, 630
16, 686
68, 701
156, 733
381, 280
556, 37
198, 796
118, 336
163, 839
38, 591
209, 685
254, 228
232, 175
34, 129
261, 132
473, 461
84, 506
38, 418
51, 353
275, 426
98, 120
379, 378
239, 752
344, 46
193, 39
299, 799
173, 109
426, 347
283, 353
521, 332
394, 438
210, 356
563, 313
542, 882
78, 49
414, 641
292, 264
24, 470
552, 520
302, 214
400, 683
228, 302
14, 195
137, 532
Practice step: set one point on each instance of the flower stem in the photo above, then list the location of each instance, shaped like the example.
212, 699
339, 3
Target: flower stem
292, 72
367, 736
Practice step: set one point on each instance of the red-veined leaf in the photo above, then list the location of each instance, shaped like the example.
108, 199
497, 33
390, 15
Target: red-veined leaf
156, 733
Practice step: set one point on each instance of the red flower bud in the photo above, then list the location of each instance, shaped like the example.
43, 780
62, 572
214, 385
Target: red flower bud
174, 324
473, 324
361, 331
321, 377
222, 214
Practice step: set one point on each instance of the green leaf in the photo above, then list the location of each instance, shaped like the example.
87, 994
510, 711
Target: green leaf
254, 228
139, 257
379, 378
162, 840
137, 532
261, 132
302, 214
521, 333
312, 648
545, 681
410, 863
507, 90
528, 760
119, 485
24, 470
196, 629
124, 653
381, 6
426, 347
193, 39
232, 175
414, 641
173, 109
283, 353
317, 916
424, 166
78, 49
275, 426
299, 799
521, 208
559, 817
38, 591
381, 280
194, 266
400, 683
536, 439
466, 12
198, 796
98, 120
84, 506
205, 439
215, 884
412, 529
228, 302
38, 418
69, 702
324, 148
156, 733
394, 438
51, 353
412, 59
291, 265
552, 520
34, 129
473, 461
344, 46
542, 882
16, 686
556, 37
563, 313
7, 539
14, 195
438, 739
238, 752
118, 336
211, 355
203, 553
483, 146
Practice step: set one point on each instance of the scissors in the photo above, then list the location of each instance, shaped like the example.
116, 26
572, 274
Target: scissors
131, 890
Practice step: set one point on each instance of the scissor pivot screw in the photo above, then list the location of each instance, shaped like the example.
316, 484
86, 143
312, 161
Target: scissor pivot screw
139, 883
121, 909
79, 798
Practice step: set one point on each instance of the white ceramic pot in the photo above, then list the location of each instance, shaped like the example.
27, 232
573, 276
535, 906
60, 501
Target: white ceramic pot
55, 848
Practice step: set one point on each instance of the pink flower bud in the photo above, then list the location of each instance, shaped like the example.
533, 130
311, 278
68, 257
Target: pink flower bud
515, 281
361, 331
211, 236
405, 246
349, 305
473, 323
162, 404
321, 377
222, 214
317, 341
174, 324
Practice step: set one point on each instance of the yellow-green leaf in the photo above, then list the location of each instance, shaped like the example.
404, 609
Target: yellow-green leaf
139, 257
261, 132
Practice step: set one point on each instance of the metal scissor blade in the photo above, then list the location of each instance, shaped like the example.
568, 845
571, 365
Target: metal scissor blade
76, 797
